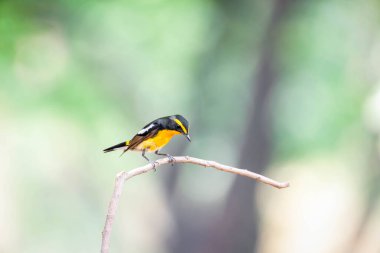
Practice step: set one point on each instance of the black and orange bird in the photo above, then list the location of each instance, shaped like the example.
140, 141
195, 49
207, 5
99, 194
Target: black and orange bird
155, 136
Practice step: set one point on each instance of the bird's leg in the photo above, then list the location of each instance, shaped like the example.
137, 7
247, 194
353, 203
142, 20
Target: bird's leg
143, 155
153, 163
171, 158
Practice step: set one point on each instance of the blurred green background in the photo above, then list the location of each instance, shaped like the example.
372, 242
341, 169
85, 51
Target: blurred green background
287, 88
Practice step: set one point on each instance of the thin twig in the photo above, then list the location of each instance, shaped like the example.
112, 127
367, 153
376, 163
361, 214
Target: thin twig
125, 175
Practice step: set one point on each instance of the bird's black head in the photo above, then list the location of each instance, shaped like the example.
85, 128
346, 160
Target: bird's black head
180, 124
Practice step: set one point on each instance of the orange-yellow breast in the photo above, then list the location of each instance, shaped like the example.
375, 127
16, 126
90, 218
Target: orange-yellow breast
161, 139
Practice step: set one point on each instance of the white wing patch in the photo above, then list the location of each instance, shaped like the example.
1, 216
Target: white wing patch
146, 129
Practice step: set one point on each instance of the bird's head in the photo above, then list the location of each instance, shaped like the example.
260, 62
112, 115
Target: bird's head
180, 124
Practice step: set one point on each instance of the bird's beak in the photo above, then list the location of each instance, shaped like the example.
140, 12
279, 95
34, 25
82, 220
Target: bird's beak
188, 137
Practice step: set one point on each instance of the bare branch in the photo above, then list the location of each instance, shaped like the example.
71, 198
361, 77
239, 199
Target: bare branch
125, 175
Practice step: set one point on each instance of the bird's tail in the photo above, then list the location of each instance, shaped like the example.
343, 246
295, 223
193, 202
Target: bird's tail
116, 147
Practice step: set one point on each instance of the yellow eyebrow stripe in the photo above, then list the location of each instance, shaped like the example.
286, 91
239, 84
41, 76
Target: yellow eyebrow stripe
181, 125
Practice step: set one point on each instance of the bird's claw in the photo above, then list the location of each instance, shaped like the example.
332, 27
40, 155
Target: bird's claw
171, 159
154, 164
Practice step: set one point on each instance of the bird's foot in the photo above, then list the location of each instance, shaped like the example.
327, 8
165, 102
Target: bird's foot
171, 159
154, 164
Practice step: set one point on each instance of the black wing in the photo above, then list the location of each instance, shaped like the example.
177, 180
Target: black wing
148, 131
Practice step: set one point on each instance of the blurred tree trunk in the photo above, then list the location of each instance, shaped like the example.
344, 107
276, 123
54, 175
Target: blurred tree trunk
237, 228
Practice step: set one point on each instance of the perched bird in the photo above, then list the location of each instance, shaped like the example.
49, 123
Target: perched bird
155, 136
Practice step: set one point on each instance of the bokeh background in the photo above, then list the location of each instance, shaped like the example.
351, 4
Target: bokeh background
286, 88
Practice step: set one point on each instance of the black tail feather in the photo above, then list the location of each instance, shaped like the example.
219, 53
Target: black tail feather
117, 146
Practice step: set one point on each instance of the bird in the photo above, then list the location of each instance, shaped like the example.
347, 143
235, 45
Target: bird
154, 136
